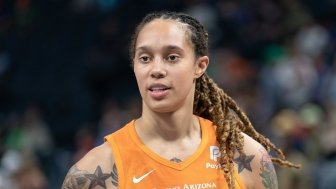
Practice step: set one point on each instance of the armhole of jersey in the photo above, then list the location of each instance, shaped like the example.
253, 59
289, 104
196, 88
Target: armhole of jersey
117, 160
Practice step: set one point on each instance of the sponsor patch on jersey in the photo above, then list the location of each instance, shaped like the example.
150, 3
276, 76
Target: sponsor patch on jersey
212, 165
214, 153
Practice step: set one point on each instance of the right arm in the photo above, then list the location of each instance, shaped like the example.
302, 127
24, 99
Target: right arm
96, 169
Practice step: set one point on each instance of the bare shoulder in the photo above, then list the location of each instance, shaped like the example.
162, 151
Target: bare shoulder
96, 168
255, 166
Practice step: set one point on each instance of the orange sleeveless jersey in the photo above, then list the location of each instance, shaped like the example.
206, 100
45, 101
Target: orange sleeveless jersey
139, 167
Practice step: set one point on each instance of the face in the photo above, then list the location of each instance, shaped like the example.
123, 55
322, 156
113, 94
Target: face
165, 66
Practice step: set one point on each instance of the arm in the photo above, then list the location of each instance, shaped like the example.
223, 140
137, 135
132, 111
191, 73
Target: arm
255, 167
95, 169
267, 171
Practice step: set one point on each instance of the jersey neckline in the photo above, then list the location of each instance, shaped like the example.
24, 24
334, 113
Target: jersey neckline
179, 166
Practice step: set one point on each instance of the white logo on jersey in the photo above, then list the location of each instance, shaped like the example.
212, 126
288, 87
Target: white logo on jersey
212, 165
139, 179
214, 153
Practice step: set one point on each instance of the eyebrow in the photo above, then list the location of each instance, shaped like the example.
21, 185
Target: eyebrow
166, 48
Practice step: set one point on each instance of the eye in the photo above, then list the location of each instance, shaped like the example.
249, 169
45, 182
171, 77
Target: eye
144, 59
172, 58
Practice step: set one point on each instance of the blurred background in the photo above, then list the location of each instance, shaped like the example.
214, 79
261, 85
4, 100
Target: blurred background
66, 81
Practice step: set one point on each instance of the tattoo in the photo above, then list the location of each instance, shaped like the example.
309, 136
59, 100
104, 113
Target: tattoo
74, 179
98, 178
114, 175
176, 160
244, 162
77, 179
268, 175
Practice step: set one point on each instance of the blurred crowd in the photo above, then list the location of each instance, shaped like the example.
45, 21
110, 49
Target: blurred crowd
66, 81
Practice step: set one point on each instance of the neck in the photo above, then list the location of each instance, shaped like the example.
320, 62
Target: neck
168, 126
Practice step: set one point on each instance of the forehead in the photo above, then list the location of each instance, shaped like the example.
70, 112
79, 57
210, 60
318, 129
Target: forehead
163, 31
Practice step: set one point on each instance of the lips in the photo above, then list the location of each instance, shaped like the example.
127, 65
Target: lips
158, 91
158, 87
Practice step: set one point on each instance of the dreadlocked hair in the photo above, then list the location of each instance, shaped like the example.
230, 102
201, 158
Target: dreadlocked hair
212, 103
196, 31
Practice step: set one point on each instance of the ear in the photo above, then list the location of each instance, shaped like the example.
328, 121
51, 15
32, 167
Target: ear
201, 66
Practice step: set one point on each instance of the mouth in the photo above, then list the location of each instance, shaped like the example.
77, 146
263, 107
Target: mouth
158, 88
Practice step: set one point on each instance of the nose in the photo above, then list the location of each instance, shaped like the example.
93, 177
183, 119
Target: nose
158, 69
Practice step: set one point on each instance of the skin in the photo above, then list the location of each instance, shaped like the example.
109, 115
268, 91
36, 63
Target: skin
164, 57
256, 166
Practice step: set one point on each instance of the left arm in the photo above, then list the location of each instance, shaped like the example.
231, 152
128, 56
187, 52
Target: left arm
255, 167
267, 171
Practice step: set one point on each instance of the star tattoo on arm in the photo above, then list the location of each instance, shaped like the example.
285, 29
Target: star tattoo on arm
244, 162
78, 179
98, 178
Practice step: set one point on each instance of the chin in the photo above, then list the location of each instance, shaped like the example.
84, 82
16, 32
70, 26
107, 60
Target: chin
161, 107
